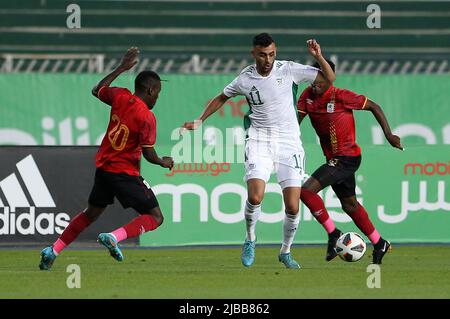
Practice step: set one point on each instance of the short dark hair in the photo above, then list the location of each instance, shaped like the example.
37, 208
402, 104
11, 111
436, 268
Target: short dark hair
144, 78
263, 40
317, 65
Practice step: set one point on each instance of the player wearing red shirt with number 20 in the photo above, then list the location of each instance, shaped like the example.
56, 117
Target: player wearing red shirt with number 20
331, 112
131, 133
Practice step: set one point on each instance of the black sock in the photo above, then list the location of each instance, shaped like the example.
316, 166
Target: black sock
335, 233
379, 244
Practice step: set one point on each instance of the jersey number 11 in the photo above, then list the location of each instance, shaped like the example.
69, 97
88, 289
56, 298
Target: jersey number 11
258, 102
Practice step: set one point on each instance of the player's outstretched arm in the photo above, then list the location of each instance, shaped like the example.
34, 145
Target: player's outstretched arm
376, 110
129, 60
316, 52
215, 104
151, 156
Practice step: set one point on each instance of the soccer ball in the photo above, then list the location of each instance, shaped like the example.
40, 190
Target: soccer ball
350, 247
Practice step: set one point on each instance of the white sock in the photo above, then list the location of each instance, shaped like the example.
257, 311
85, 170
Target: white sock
251, 217
290, 225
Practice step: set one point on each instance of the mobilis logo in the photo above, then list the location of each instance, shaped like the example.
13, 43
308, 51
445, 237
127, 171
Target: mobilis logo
19, 215
427, 168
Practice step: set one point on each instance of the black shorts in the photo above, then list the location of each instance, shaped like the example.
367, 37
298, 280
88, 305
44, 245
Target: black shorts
339, 172
131, 191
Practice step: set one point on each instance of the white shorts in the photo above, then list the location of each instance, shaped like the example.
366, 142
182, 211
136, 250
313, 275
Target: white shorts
287, 160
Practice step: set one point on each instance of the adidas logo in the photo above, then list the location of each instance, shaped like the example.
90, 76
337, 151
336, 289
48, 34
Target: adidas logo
33, 182
279, 65
27, 191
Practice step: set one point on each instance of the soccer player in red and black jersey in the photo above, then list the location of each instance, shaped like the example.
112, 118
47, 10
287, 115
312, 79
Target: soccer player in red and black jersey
331, 113
131, 132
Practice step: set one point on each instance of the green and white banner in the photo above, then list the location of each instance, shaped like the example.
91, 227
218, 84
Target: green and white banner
406, 193
58, 109
407, 196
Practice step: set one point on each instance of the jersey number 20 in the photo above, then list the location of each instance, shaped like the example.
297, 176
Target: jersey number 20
116, 132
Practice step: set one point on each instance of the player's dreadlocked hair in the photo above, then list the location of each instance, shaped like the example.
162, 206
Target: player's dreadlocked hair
144, 78
263, 40
316, 65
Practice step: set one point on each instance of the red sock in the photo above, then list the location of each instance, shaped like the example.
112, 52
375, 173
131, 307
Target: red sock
140, 225
75, 227
317, 208
361, 219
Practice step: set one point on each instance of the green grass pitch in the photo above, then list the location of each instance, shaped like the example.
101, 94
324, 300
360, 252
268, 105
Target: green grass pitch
407, 272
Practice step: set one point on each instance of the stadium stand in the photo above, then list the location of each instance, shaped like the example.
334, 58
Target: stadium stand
183, 36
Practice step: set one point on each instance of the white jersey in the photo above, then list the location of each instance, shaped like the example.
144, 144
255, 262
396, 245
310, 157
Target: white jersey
272, 99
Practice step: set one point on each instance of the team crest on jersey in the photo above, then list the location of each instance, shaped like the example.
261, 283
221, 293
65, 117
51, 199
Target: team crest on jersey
309, 101
330, 107
279, 81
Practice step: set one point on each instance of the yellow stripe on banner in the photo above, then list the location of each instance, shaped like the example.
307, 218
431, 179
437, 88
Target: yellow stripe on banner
147, 145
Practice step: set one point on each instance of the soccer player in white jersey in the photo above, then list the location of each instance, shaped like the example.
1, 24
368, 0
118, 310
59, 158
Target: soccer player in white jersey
273, 135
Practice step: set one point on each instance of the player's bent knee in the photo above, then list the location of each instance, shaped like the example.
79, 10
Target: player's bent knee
255, 199
92, 213
350, 208
312, 185
291, 210
158, 216
160, 220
